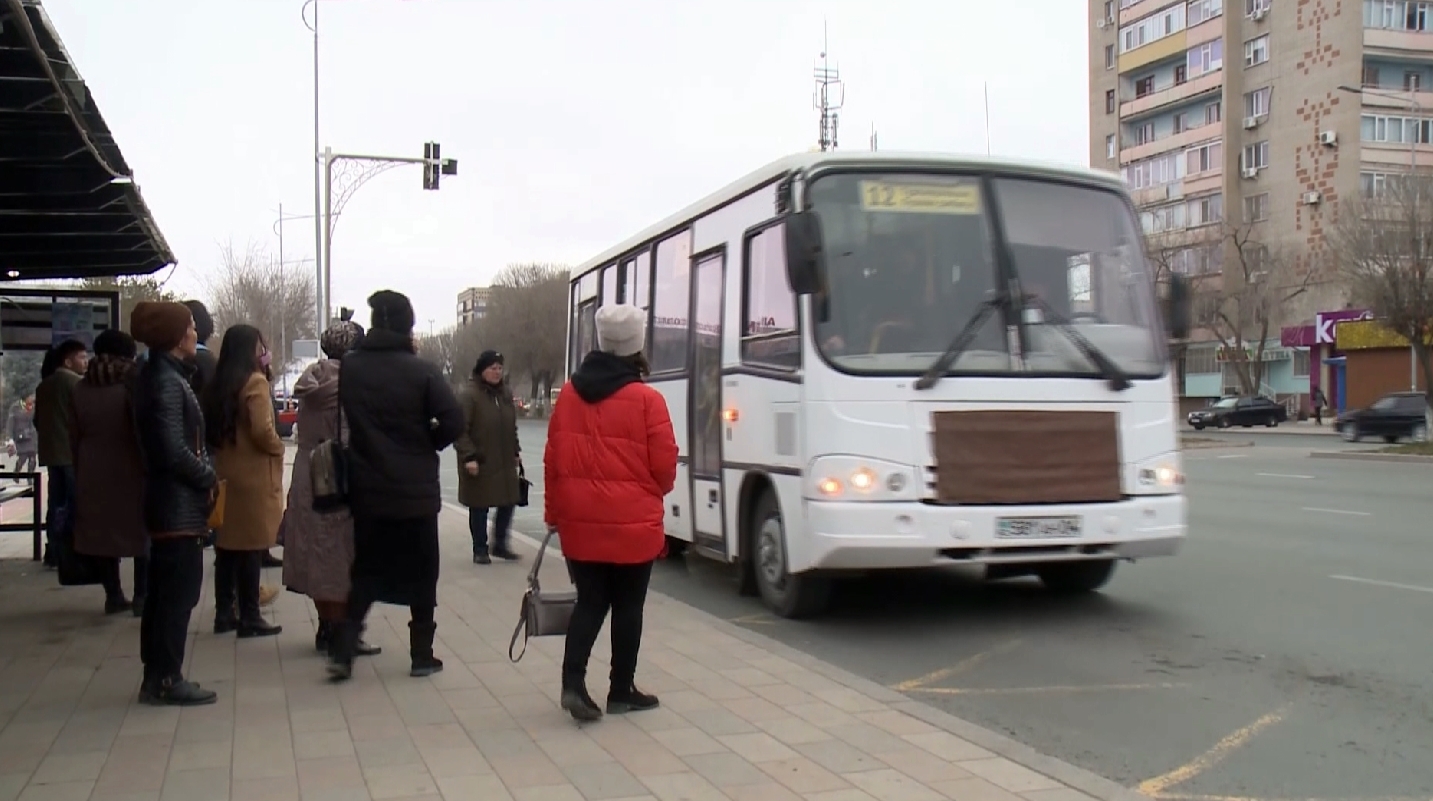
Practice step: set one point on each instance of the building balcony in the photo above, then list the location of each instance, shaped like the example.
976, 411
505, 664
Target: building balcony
1394, 42
1394, 157
1154, 52
1143, 9
1204, 84
1155, 195
1177, 141
1392, 99
1207, 181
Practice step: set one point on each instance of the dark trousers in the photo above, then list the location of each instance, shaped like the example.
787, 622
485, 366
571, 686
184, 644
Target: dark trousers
600, 587
236, 585
478, 527
58, 504
395, 561
176, 577
114, 588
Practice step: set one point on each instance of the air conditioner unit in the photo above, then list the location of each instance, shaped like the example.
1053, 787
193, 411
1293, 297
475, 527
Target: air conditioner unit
1328, 138
1250, 122
1250, 172
1312, 198
1259, 14
1102, 23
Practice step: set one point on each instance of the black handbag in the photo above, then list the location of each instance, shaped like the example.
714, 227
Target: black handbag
74, 568
524, 487
328, 470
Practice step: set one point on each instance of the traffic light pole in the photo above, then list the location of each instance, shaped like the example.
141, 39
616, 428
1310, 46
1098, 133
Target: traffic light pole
355, 170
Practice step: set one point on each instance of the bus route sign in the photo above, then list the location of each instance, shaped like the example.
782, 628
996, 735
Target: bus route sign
885, 196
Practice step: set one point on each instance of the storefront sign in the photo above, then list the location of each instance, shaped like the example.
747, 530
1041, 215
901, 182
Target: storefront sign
1325, 323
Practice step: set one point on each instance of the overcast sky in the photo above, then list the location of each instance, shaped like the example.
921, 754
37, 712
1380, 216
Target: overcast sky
576, 122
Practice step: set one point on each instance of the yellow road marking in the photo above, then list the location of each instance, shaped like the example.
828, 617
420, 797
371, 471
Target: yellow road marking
1058, 688
1222, 749
959, 667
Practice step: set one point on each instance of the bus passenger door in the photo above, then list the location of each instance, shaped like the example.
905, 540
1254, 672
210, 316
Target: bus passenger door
704, 401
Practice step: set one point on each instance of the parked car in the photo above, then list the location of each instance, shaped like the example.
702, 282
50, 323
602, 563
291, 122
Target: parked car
1245, 412
1395, 416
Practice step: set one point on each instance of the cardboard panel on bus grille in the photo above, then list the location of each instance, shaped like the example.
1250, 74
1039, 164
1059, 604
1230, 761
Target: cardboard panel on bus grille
1001, 456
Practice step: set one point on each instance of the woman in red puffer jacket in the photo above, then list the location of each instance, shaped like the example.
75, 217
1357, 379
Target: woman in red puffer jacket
611, 460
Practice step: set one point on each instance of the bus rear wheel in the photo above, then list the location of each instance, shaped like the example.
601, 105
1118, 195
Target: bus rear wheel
790, 596
1076, 577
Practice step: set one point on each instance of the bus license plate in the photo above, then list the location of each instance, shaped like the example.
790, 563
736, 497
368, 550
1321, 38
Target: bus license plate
1037, 528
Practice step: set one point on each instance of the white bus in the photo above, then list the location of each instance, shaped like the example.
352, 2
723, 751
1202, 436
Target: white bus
878, 360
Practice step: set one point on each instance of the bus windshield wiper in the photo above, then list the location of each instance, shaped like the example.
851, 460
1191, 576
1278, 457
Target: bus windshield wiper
1107, 367
961, 341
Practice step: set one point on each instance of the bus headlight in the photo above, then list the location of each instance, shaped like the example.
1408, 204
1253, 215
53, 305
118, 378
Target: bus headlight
851, 478
1162, 475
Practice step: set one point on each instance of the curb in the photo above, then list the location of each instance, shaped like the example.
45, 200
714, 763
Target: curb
1074, 777
1373, 456
1205, 444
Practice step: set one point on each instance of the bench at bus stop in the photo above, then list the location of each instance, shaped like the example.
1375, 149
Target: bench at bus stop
30, 488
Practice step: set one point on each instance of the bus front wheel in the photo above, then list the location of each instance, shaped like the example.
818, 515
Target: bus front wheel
789, 596
1076, 577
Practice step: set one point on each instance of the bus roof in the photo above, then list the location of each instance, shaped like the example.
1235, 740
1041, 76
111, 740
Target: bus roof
804, 161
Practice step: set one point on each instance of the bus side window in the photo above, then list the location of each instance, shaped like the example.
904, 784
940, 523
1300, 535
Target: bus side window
769, 331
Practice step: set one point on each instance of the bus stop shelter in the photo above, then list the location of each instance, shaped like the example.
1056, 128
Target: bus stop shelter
69, 206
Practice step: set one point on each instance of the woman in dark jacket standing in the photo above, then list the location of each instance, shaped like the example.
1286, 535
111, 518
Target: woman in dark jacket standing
109, 477
179, 485
611, 460
400, 413
489, 458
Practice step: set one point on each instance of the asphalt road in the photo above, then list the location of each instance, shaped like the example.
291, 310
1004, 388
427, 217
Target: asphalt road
1285, 654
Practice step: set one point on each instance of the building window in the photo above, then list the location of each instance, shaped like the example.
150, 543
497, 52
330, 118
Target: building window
1204, 158
1155, 171
1256, 51
1205, 58
1109, 101
1110, 146
1110, 11
1181, 74
1144, 134
1403, 15
1212, 113
672, 283
1370, 76
769, 334
1378, 184
1164, 218
1109, 57
1203, 10
1144, 86
1256, 208
1403, 130
1256, 155
1256, 103
1200, 361
1301, 363
1152, 28
1412, 81
1252, 7
1206, 210
1181, 122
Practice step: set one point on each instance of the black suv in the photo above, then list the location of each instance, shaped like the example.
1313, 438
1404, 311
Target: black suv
1398, 415
1246, 412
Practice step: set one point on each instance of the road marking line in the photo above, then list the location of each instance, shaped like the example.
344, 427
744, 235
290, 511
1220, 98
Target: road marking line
1204, 797
1283, 475
1221, 750
1390, 584
959, 667
1321, 510
1066, 688
757, 618
1233, 456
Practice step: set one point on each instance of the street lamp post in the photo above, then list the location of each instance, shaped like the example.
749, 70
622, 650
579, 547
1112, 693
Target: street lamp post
1417, 110
320, 302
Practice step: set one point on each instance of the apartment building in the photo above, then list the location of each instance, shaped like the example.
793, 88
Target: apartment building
472, 304
1264, 114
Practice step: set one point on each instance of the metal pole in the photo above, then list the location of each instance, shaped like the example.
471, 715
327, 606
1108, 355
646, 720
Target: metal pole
325, 272
320, 300
283, 295
1413, 222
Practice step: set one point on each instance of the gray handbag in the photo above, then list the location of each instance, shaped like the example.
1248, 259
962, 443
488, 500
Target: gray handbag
544, 614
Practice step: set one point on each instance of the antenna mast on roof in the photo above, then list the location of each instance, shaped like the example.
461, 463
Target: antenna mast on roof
873, 137
830, 96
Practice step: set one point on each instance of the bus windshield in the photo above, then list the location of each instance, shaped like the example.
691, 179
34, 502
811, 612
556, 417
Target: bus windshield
912, 257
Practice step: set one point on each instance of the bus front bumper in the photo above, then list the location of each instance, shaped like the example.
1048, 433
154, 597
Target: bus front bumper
858, 535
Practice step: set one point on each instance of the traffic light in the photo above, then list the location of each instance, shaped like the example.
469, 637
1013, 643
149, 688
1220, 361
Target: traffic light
435, 166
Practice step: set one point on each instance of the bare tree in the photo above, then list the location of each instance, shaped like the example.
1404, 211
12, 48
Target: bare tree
1385, 254
1246, 303
1194, 253
438, 349
467, 346
527, 321
253, 288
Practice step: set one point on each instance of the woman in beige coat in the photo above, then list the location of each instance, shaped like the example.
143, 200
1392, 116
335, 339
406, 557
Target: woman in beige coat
249, 458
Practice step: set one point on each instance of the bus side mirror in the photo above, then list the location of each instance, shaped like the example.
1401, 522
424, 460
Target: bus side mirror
1179, 303
805, 260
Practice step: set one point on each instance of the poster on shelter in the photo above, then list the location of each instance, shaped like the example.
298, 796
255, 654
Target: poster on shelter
72, 321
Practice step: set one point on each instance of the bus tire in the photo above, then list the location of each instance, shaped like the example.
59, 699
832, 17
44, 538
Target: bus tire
1069, 578
790, 596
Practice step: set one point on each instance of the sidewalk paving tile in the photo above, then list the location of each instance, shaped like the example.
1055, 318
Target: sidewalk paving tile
742, 718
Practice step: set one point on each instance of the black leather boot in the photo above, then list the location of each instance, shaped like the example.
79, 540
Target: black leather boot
420, 648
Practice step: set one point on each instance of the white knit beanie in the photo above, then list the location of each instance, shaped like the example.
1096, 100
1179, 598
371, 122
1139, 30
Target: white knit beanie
621, 329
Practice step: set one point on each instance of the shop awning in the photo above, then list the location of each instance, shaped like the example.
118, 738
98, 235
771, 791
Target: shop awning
68, 205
